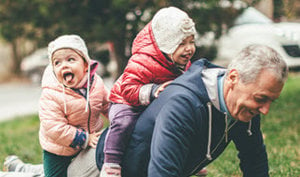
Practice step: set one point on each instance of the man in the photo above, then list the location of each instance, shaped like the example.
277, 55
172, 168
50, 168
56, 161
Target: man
201, 112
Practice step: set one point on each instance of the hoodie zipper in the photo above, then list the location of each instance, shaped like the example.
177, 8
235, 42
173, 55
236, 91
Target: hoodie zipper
221, 140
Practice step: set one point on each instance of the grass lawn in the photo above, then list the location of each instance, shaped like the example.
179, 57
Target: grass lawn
281, 128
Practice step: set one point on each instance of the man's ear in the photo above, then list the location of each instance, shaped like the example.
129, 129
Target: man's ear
233, 76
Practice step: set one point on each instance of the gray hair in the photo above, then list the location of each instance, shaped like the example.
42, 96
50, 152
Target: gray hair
253, 59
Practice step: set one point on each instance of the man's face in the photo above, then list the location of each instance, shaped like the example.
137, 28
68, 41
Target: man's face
244, 101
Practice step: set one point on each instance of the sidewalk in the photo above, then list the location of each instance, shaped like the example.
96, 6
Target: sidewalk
18, 99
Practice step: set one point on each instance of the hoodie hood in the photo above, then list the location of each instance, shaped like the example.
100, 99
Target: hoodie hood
210, 79
191, 80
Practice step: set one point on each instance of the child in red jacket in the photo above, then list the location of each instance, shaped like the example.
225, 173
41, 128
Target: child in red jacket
160, 53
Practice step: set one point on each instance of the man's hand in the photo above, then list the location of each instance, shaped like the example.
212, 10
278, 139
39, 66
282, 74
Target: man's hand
93, 139
161, 88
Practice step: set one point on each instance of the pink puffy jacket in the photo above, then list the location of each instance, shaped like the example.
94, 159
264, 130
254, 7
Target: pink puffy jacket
57, 127
147, 65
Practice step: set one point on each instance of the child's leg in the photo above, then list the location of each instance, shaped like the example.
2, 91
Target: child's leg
55, 165
122, 121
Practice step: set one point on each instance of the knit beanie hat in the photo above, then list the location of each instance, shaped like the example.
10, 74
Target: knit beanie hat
170, 27
72, 41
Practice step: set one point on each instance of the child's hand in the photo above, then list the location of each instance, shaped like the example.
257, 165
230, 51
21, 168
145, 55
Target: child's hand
161, 88
93, 139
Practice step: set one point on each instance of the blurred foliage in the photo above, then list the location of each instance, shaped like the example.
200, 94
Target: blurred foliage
97, 21
289, 8
208, 52
278, 9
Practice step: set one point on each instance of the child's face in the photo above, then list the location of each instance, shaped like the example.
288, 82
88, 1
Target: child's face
184, 51
69, 67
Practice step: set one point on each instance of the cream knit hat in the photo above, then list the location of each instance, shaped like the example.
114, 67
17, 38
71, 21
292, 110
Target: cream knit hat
170, 27
72, 41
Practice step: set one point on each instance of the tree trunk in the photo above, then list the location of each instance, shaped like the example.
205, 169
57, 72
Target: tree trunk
16, 64
119, 46
120, 56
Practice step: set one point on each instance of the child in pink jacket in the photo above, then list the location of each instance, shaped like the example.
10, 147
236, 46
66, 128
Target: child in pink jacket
73, 97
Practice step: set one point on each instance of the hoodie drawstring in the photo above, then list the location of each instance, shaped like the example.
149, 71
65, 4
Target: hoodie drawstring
249, 128
208, 155
209, 105
88, 90
226, 127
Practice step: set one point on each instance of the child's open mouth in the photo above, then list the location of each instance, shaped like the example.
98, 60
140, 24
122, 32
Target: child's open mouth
186, 57
68, 76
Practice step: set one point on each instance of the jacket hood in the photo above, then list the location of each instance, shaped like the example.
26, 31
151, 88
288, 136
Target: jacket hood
145, 43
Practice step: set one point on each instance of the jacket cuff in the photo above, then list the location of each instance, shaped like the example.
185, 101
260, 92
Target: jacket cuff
80, 139
153, 90
85, 145
144, 94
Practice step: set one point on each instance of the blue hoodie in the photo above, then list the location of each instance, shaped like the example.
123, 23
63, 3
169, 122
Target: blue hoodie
190, 131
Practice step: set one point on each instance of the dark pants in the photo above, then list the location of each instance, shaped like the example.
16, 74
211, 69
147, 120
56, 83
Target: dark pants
122, 121
55, 165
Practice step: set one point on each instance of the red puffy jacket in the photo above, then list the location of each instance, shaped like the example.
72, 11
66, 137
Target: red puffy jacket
147, 65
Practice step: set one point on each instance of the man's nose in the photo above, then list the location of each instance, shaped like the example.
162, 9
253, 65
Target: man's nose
264, 109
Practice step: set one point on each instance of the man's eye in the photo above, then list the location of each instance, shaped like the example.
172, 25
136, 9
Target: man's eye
260, 100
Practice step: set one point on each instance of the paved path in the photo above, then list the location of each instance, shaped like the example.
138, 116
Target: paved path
18, 99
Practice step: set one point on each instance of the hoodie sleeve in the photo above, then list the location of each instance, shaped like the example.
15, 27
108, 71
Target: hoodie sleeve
172, 138
252, 151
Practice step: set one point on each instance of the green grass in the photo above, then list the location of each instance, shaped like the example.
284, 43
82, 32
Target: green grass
20, 137
280, 128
